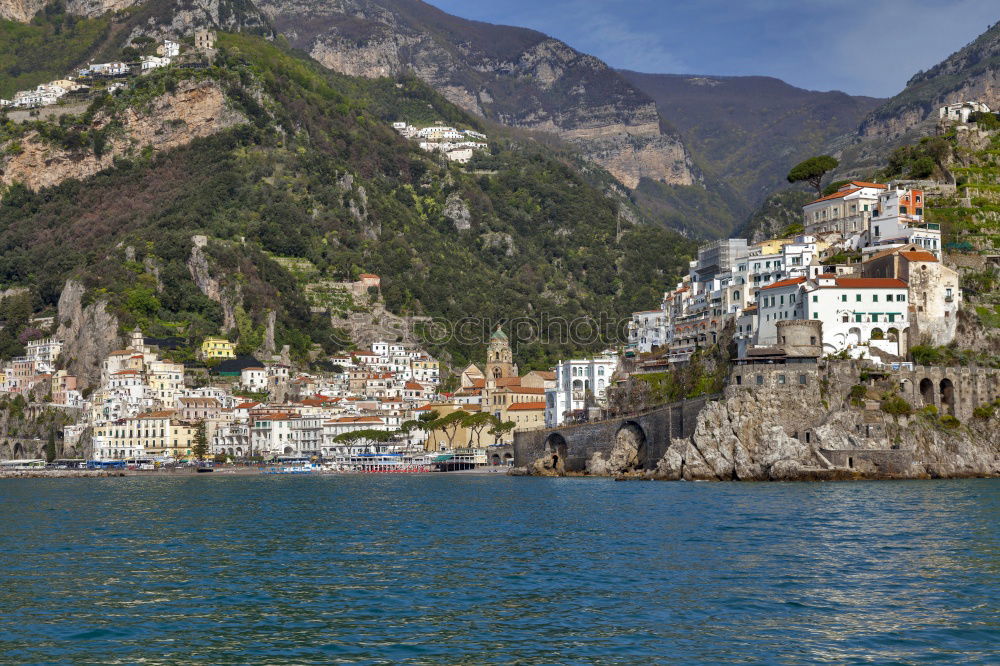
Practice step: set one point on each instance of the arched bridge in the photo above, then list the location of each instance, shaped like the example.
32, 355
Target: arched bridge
648, 434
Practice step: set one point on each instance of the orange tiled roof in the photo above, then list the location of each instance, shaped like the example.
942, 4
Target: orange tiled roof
871, 283
861, 183
413, 386
836, 195
918, 255
545, 374
508, 381
784, 283
525, 406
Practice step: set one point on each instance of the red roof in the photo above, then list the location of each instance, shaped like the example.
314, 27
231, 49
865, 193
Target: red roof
247, 405
836, 195
918, 255
413, 386
784, 283
871, 283
861, 183
525, 406
367, 275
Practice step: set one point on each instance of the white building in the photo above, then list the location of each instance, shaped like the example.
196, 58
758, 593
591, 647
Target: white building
580, 383
960, 111
846, 211
170, 49
649, 330
254, 379
153, 62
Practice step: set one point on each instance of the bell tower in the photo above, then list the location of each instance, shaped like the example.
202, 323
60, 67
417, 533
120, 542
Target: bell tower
499, 359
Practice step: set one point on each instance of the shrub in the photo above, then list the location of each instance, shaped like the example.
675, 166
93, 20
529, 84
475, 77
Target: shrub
949, 421
983, 412
857, 394
929, 411
896, 406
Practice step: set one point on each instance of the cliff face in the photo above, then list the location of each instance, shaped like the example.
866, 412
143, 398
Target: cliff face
175, 119
89, 333
972, 73
23, 10
166, 17
747, 131
515, 76
783, 433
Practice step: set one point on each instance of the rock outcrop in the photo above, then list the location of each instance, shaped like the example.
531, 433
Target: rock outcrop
788, 434
215, 288
195, 109
183, 17
972, 73
89, 333
518, 77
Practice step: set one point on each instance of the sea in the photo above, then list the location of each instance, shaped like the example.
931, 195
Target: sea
460, 568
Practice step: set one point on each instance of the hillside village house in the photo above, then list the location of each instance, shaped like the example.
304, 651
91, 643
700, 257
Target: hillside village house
960, 111
218, 348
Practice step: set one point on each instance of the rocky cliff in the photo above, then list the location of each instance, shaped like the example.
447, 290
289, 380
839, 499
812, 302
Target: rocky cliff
89, 333
972, 73
155, 17
789, 434
194, 109
518, 77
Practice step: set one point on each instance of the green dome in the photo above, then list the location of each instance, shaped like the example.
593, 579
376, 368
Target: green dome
498, 334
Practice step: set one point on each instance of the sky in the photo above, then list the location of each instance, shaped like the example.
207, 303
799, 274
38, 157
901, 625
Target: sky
862, 48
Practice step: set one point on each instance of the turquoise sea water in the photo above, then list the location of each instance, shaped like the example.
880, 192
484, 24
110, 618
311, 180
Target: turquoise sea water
458, 568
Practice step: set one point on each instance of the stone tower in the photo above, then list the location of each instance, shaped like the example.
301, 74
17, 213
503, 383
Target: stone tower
499, 359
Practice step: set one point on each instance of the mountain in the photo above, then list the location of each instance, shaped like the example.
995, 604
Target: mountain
234, 198
518, 77
745, 132
971, 73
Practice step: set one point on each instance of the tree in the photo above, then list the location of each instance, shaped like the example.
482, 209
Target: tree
200, 447
50, 447
449, 425
812, 171
365, 435
500, 430
479, 421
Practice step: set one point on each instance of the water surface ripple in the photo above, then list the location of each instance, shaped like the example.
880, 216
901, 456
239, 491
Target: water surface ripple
458, 568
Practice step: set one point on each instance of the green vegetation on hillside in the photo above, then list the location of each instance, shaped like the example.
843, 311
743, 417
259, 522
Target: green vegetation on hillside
47, 48
319, 175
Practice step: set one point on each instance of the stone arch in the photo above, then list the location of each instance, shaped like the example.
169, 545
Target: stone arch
630, 445
947, 396
288, 450
557, 450
927, 391
508, 458
892, 334
877, 334
495, 460
16, 451
853, 336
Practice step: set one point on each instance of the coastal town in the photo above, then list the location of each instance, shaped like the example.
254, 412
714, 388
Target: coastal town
864, 264
93, 78
456, 145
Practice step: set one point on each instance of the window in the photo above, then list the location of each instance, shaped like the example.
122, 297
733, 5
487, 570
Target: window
918, 211
902, 210
857, 317
874, 298
857, 298
815, 315
781, 379
900, 297
760, 380
843, 298
815, 298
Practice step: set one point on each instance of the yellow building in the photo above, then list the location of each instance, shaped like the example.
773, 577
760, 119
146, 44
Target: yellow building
773, 246
526, 416
218, 348
182, 436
